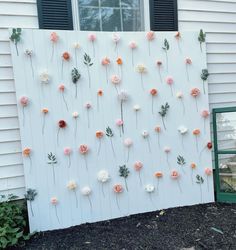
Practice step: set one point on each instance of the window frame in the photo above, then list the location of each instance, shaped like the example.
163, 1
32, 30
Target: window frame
146, 15
221, 196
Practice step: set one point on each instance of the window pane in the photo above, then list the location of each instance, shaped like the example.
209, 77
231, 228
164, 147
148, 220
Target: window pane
227, 173
111, 19
130, 3
88, 3
226, 130
89, 19
131, 20
110, 3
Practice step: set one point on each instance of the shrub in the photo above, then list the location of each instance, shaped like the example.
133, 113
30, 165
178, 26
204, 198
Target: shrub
12, 222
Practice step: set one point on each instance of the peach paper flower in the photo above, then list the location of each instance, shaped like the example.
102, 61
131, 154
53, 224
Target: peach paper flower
180, 96
44, 112
208, 172
141, 69
65, 58
193, 166
84, 149
175, 176
54, 39
119, 61
157, 129
62, 88
99, 94
106, 62
188, 62
115, 79
150, 37
196, 132
133, 46
119, 123
99, 135
27, 154
178, 39
24, 101
158, 175
153, 93
118, 189
54, 201
205, 114
72, 186
195, 92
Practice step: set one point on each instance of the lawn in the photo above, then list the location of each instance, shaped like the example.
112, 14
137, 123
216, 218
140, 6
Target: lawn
208, 226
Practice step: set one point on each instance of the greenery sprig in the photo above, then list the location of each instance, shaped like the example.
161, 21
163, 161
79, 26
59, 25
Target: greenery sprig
124, 172
181, 161
204, 77
75, 76
201, 38
200, 181
110, 134
52, 160
16, 37
88, 62
30, 196
166, 47
163, 112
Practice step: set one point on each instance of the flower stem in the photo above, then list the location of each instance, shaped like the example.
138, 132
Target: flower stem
88, 119
99, 147
136, 120
103, 190
159, 71
126, 185
167, 66
196, 104
149, 49
203, 85
43, 124
106, 74
122, 116
117, 203
187, 72
76, 199
132, 54
112, 147
140, 180
57, 215
31, 209
53, 172
162, 118
69, 161
152, 105
85, 160
183, 106
23, 112
58, 137
52, 55
127, 156
31, 65
149, 146
89, 76
64, 100
180, 189
141, 74
17, 52
93, 49
75, 133
196, 143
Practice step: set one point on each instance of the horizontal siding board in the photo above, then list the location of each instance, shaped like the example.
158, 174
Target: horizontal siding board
7, 85
8, 111
6, 98
10, 147
10, 171
9, 123
6, 159
19, 192
12, 183
12, 135
18, 9
16, 21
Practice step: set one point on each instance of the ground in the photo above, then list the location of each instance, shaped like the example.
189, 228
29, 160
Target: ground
209, 226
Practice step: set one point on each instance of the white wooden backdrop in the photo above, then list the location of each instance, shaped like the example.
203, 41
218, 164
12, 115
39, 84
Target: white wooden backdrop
136, 200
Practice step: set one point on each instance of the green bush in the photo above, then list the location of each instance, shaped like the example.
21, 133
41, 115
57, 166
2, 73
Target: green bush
12, 222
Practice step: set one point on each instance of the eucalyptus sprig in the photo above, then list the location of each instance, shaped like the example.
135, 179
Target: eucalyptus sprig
52, 160
75, 76
181, 161
201, 38
30, 196
204, 77
200, 181
88, 62
166, 47
163, 112
110, 135
16, 37
124, 172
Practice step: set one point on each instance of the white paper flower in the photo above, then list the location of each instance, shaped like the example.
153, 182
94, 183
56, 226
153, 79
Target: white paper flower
44, 77
182, 130
103, 176
72, 185
149, 188
167, 149
28, 52
128, 142
141, 68
123, 96
115, 38
145, 134
179, 95
76, 45
86, 191
136, 107
75, 114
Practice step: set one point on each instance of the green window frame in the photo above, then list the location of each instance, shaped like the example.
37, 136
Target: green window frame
220, 195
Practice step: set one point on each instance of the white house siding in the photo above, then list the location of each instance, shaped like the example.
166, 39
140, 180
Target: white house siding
216, 17
18, 13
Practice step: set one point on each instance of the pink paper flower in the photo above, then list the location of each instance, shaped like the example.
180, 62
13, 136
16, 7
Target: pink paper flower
118, 188
157, 129
92, 37
115, 38
132, 45
115, 79
67, 151
88, 105
195, 92
188, 60
138, 165
83, 149
167, 149
75, 114
61, 87
205, 113
54, 37
174, 174
150, 35
128, 142
105, 61
54, 201
119, 122
208, 171
170, 81
24, 101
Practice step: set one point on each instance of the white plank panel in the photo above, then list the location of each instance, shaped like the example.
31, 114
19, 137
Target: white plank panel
12, 135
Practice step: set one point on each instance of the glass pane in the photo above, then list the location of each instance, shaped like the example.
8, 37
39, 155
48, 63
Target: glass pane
131, 20
89, 19
227, 173
226, 131
111, 19
88, 3
130, 3
110, 3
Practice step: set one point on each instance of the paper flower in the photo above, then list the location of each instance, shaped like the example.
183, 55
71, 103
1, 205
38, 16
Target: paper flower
205, 114
158, 176
75, 76
61, 125
133, 46
159, 66
65, 58
136, 108
72, 186
204, 77
145, 135
86, 191
54, 39
61, 88
67, 152
141, 69
29, 54
175, 176
88, 62
157, 129
76, 46
180, 96
182, 130
27, 154
99, 136
200, 181
167, 150
103, 177
196, 133
118, 189
75, 115
178, 39
170, 81
208, 172
120, 124
106, 62
92, 38
207, 146
188, 62
115, 79
195, 92
122, 97
124, 172
99, 94
44, 112
116, 39
149, 188
153, 93
110, 135
30, 196
193, 167
84, 149
54, 201
166, 47
44, 77
201, 38
128, 143
119, 61
88, 106
24, 101
138, 165
150, 37
163, 112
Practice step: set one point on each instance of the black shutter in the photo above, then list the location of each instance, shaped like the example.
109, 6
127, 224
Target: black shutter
55, 14
163, 15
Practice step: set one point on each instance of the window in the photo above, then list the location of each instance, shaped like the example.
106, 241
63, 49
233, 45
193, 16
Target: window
224, 124
111, 15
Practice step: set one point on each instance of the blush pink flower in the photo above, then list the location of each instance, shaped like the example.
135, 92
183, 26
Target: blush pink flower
88, 105
115, 79
24, 101
167, 149
205, 113
138, 165
61, 87
128, 142
157, 129
54, 37
195, 92
83, 149
133, 45
92, 37
115, 38
105, 61
67, 151
54, 201
118, 188
174, 174
169, 80
208, 171
150, 35
188, 60
119, 122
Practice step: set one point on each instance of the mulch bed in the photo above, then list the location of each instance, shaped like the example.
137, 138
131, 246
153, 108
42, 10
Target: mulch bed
208, 226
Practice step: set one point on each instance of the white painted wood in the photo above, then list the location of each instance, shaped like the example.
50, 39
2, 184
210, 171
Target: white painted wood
40, 175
